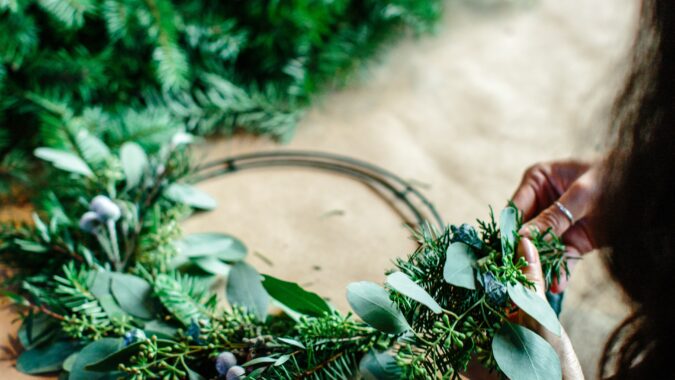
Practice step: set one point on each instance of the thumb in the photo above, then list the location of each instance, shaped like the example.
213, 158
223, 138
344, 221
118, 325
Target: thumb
533, 270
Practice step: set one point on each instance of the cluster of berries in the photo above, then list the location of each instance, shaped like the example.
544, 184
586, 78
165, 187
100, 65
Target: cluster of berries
226, 365
101, 211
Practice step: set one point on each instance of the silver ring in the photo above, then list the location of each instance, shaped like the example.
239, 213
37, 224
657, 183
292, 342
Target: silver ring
565, 211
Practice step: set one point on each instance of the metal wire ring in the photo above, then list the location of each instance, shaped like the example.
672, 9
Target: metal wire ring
377, 178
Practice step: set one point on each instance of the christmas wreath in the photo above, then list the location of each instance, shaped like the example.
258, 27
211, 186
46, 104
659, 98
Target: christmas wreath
108, 287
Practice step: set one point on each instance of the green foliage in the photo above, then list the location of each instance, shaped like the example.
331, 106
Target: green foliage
467, 274
133, 67
185, 297
118, 290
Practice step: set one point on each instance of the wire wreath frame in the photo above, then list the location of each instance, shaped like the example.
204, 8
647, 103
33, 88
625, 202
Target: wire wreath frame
420, 209
414, 208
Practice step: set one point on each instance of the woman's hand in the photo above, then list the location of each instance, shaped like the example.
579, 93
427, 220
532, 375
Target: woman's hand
574, 185
571, 368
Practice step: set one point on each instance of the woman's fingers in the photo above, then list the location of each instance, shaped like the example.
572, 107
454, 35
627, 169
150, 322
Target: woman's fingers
575, 202
534, 190
543, 183
533, 270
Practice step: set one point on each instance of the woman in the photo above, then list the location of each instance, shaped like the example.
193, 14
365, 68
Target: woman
631, 198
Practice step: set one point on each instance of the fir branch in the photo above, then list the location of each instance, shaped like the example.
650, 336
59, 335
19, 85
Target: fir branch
185, 297
69, 12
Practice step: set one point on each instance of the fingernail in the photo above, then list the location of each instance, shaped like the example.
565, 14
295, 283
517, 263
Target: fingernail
529, 251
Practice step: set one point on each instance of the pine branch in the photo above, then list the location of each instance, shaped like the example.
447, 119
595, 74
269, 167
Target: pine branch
69, 12
185, 297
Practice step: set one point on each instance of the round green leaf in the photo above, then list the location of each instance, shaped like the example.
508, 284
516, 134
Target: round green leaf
508, 222
110, 362
134, 163
68, 363
295, 297
379, 366
133, 294
92, 353
400, 282
293, 342
223, 246
64, 160
190, 195
212, 265
523, 355
371, 302
193, 375
36, 330
458, 268
160, 329
45, 359
244, 288
535, 306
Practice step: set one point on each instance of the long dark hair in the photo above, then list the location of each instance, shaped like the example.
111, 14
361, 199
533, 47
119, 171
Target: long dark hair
636, 210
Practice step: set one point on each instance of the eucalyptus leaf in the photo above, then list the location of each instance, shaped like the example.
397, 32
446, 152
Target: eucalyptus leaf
371, 302
223, 246
68, 363
292, 342
256, 373
92, 353
523, 355
244, 288
111, 361
212, 265
459, 266
30, 246
64, 160
133, 294
259, 360
400, 282
379, 366
45, 359
190, 195
37, 329
110, 306
508, 222
159, 329
295, 298
134, 163
193, 375
535, 306
282, 359
99, 283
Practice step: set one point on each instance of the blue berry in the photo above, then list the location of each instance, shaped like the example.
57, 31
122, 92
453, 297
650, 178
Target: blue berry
235, 373
224, 362
467, 235
89, 221
495, 290
195, 332
134, 336
105, 208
